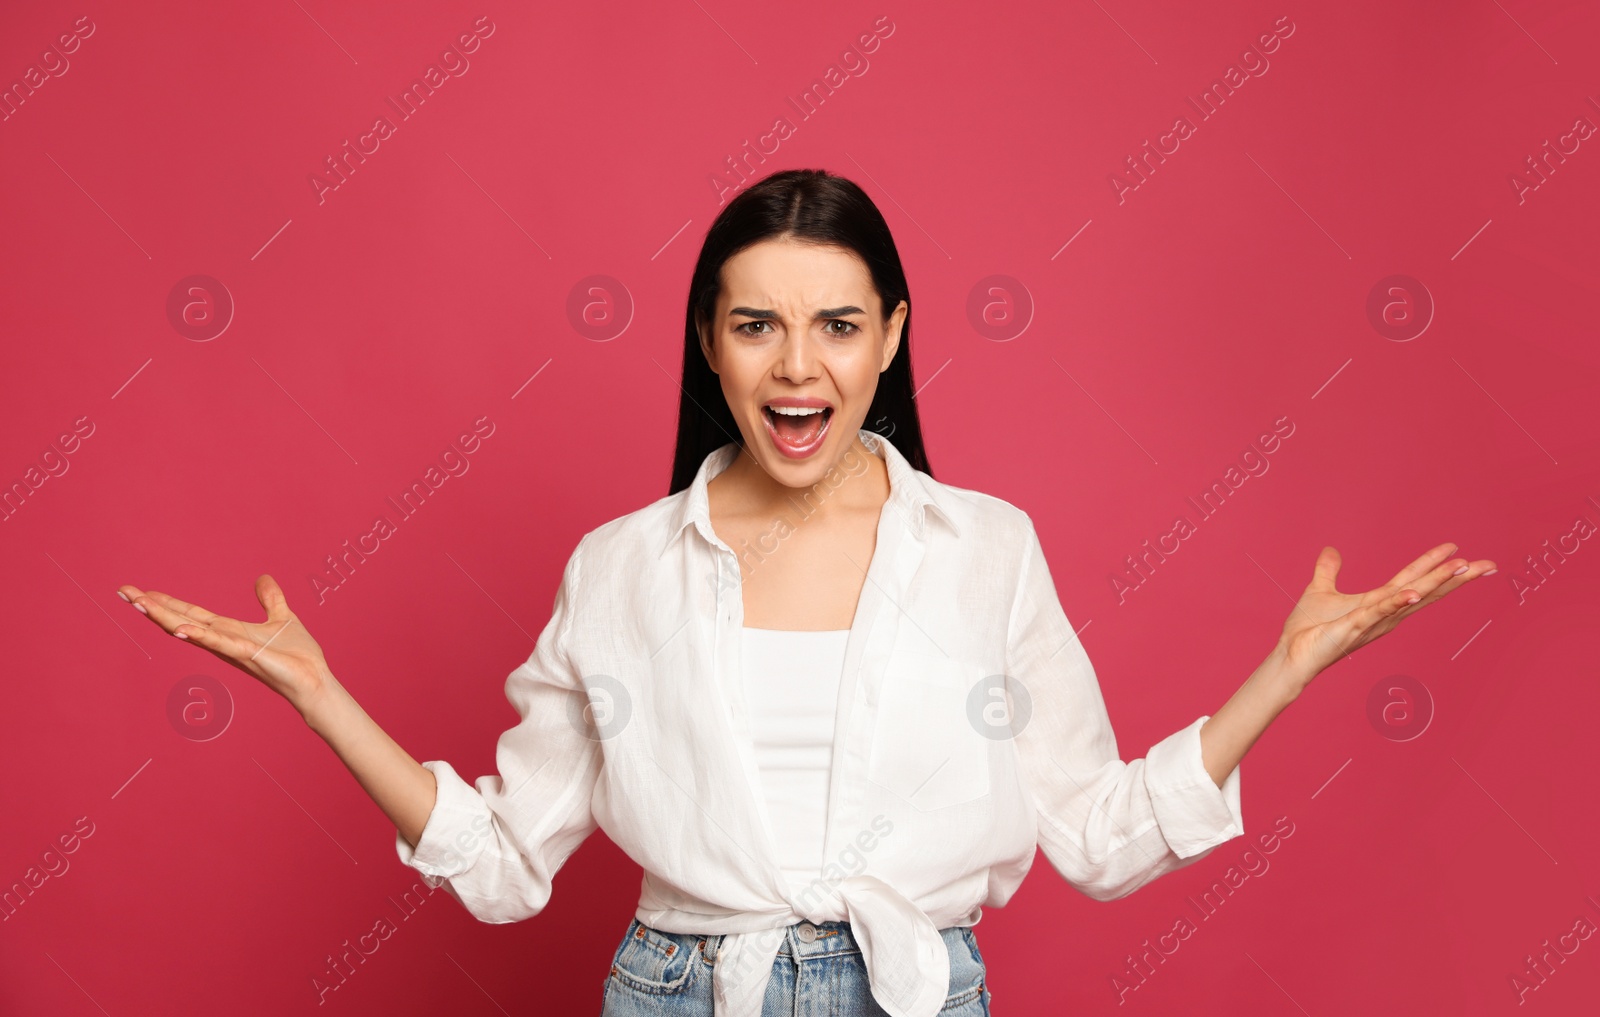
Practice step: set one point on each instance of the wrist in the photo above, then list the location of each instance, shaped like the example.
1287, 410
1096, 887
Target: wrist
1282, 677
319, 706
1290, 677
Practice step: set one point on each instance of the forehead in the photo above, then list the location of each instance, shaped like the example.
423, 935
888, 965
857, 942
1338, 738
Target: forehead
785, 275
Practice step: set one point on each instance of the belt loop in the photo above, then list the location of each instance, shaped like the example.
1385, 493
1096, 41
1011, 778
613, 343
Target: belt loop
709, 947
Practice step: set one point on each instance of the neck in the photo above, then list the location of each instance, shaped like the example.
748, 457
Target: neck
857, 479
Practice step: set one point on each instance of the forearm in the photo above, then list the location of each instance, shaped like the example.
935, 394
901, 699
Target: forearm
402, 787
1229, 733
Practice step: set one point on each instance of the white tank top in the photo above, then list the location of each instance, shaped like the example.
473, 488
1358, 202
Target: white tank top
791, 682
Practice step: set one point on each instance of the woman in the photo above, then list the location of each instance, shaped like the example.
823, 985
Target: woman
829, 704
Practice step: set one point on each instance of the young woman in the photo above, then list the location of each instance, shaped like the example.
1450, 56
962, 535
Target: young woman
828, 703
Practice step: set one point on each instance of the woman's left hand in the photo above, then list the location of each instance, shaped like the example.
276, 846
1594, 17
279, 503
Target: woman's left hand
1326, 624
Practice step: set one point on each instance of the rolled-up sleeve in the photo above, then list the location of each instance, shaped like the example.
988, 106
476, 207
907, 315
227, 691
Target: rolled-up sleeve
1106, 826
496, 845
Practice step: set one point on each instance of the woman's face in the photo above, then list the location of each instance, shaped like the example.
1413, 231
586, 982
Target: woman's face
798, 328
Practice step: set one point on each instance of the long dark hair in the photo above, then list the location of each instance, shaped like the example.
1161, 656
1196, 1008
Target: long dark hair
811, 206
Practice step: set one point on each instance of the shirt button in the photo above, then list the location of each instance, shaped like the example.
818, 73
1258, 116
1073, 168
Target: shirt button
807, 932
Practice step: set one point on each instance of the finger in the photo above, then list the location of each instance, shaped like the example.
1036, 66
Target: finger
271, 596
1428, 583
1326, 571
1470, 571
163, 611
157, 606
1428, 560
160, 613
193, 612
1388, 606
230, 647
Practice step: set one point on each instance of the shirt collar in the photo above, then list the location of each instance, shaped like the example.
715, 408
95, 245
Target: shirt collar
911, 492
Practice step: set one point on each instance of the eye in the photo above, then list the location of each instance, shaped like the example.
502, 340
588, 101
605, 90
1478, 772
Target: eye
741, 329
850, 327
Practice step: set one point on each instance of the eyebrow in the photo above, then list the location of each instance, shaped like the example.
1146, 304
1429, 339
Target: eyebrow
826, 312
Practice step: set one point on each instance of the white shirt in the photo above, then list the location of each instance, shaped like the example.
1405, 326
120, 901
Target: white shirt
791, 686
928, 820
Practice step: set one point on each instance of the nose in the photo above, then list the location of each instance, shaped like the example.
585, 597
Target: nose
797, 359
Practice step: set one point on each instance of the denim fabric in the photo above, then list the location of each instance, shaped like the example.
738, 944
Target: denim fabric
668, 974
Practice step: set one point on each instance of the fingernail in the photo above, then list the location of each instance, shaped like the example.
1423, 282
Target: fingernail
124, 596
181, 635
1458, 571
1491, 572
141, 609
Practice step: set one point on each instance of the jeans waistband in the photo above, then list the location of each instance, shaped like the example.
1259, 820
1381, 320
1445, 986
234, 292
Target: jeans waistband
803, 939
808, 939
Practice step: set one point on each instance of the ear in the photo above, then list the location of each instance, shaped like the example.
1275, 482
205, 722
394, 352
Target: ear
706, 349
892, 334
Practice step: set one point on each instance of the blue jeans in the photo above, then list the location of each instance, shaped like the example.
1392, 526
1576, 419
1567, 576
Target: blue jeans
668, 974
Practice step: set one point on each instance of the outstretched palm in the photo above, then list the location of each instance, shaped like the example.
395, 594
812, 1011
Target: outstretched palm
1327, 625
280, 652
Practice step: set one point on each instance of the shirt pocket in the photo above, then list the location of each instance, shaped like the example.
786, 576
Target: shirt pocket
926, 748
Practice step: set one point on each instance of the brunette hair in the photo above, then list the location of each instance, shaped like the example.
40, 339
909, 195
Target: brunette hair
811, 206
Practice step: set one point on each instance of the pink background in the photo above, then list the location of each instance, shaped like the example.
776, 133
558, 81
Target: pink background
1170, 328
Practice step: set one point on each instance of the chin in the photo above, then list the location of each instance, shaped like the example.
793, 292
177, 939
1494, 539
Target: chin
813, 469
802, 475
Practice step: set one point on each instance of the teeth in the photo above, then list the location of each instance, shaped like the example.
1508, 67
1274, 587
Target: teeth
796, 411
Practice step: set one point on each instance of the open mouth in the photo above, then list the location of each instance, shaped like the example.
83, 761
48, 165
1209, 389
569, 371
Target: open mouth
797, 431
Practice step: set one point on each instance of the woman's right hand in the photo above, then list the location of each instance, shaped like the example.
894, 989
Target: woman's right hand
279, 651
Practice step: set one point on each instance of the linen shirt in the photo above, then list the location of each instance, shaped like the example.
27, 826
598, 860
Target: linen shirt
970, 731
